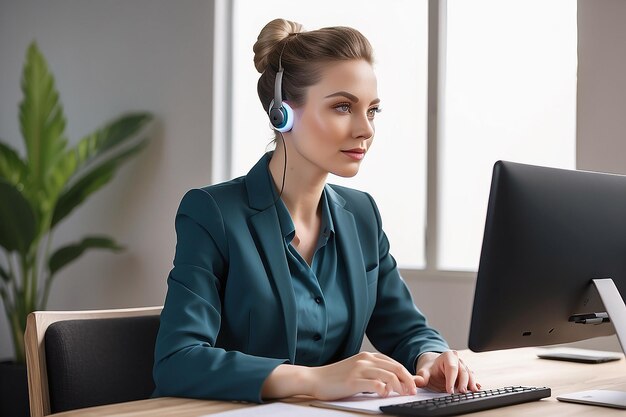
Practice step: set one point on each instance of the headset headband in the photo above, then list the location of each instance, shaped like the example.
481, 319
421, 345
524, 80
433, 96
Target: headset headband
281, 114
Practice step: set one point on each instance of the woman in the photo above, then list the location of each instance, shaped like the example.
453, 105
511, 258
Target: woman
278, 276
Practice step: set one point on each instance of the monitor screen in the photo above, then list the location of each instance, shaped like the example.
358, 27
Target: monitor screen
548, 233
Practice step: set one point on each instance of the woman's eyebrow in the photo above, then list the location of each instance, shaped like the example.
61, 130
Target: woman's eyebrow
345, 94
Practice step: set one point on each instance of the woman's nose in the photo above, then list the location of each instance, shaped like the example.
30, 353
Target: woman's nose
362, 127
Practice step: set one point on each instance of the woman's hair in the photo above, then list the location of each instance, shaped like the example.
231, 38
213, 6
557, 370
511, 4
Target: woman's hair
304, 54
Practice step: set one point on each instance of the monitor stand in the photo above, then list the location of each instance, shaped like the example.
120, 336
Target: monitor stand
616, 309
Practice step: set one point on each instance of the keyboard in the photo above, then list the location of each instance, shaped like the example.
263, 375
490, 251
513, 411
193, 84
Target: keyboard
454, 404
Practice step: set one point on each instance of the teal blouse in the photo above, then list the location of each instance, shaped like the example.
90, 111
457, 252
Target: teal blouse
321, 292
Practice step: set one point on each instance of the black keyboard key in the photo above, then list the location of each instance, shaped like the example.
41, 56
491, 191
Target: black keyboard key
454, 404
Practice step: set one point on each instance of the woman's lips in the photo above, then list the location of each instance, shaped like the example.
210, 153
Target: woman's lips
356, 154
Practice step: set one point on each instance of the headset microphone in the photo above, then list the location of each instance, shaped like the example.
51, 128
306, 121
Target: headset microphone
280, 113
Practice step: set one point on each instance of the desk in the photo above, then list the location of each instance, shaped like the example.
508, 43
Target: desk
494, 369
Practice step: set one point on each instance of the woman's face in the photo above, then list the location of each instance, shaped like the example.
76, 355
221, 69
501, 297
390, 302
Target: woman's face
334, 128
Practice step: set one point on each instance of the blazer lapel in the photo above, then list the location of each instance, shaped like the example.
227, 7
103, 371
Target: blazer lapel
352, 255
270, 243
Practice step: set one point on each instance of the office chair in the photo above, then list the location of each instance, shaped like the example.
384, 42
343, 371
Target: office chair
79, 359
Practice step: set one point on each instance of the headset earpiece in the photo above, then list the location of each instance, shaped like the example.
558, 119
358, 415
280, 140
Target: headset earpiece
281, 117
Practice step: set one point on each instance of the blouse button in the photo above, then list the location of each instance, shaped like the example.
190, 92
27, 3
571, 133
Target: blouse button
318, 300
317, 337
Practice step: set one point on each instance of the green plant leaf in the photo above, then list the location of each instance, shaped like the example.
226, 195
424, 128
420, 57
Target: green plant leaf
108, 137
94, 149
98, 155
12, 168
92, 179
69, 253
42, 124
17, 220
60, 175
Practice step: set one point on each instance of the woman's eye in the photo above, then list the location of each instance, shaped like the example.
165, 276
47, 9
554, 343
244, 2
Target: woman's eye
343, 108
371, 113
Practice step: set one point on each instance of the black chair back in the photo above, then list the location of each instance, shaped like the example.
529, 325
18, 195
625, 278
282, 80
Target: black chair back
100, 361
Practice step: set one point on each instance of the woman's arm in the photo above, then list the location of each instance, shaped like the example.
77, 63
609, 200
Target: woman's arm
187, 361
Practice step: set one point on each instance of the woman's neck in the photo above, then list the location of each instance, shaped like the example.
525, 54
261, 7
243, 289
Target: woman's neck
304, 184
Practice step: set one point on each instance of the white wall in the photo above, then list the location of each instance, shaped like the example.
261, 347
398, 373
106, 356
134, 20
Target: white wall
601, 130
116, 55
109, 57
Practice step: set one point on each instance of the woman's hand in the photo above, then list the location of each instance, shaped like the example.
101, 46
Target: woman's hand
444, 372
363, 372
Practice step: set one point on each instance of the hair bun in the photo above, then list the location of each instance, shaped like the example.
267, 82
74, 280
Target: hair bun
271, 35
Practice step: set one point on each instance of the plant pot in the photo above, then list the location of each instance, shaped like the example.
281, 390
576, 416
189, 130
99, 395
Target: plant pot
13, 390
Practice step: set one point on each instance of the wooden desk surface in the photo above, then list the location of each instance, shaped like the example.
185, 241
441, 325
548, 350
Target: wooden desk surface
494, 369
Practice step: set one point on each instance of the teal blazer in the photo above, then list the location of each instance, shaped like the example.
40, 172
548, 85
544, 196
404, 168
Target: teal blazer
229, 316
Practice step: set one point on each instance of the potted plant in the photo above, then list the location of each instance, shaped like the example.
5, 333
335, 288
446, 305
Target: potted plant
39, 191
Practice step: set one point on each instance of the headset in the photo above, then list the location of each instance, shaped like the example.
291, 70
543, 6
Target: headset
281, 116
280, 113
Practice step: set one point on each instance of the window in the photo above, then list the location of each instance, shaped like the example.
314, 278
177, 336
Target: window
508, 91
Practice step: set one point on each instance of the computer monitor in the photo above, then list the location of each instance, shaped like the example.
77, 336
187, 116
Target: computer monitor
553, 260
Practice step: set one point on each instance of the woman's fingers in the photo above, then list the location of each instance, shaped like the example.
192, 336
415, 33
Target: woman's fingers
422, 378
389, 378
405, 377
446, 372
463, 377
372, 385
450, 370
472, 385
